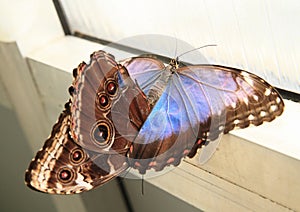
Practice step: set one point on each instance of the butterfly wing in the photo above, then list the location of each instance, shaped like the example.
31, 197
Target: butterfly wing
248, 98
99, 88
167, 133
185, 113
63, 167
144, 70
243, 98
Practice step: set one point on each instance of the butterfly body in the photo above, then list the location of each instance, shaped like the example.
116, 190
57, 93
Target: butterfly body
144, 115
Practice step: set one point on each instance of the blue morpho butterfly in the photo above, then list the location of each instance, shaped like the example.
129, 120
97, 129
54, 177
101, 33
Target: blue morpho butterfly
144, 115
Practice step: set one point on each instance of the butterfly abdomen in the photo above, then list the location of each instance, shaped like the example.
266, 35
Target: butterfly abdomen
158, 87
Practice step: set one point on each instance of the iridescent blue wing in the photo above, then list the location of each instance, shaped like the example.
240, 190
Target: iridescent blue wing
144, 70
187, 114
172, 128
198, 104
242, 97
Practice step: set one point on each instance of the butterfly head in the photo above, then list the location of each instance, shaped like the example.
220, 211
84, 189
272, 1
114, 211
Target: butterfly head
174, 65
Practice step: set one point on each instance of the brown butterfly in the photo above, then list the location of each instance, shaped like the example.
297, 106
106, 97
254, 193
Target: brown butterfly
84, 149
140, 114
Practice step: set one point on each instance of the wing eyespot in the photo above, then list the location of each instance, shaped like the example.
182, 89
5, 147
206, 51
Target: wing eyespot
102, 133
66, 175
111, 87
77, 156
103, 102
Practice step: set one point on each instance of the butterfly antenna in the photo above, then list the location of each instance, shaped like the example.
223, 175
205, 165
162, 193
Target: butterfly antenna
195, 49
176, 43
143, 185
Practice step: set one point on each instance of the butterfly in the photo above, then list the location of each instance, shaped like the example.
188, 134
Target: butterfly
143, 115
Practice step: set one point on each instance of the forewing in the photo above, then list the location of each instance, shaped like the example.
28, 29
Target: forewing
241, 98
144, 70
101, 89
